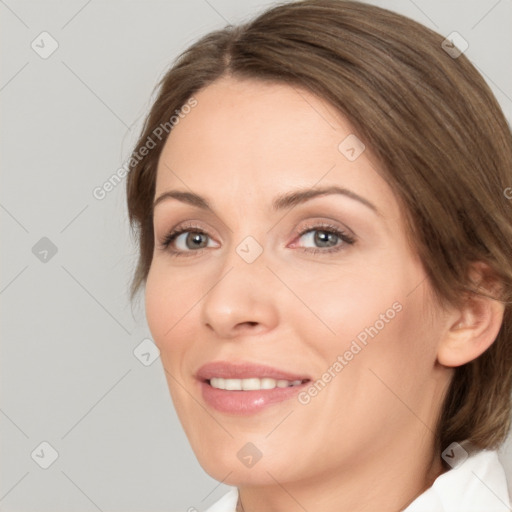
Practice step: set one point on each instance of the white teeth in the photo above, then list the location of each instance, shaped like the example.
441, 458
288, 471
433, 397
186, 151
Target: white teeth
251, 384
267, 383
233, 384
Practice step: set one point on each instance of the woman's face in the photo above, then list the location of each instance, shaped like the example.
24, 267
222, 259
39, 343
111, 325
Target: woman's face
274, 282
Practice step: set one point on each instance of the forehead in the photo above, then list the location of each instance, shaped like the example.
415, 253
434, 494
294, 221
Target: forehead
246, 136
237, 118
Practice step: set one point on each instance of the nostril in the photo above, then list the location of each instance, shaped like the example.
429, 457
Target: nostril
249, 326
241, 325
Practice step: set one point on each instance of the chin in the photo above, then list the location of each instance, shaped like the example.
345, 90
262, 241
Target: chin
235, 475
239, 462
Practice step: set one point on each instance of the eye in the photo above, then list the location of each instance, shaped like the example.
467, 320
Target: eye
191, 240
324, 238
185, 240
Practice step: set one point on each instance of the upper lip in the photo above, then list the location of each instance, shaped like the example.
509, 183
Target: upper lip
244, 370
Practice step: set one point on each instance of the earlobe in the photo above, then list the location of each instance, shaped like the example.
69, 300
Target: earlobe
471, 330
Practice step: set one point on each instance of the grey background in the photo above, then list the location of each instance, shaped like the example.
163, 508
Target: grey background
68, 372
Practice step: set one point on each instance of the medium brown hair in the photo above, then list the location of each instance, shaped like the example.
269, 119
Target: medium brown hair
433, 123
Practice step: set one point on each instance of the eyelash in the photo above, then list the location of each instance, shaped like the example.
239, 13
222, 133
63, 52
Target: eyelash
328, 228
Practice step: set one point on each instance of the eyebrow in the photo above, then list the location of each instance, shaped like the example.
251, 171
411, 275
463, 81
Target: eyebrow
281, 202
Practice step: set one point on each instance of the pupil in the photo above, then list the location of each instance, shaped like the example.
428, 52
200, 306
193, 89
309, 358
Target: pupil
325, 239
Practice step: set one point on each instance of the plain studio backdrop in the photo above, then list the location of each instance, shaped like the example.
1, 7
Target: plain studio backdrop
79, 395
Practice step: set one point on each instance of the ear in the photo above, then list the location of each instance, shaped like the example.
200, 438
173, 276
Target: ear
473, 327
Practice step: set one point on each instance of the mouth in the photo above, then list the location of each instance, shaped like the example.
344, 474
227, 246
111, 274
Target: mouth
252, 384
246, 388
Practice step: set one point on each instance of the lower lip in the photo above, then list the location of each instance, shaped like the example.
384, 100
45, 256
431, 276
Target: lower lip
246, 402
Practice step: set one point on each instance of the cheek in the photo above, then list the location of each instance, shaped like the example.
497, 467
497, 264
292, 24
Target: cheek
372, 315
169, 304
395, 364
339, 304
157, 306
384, 371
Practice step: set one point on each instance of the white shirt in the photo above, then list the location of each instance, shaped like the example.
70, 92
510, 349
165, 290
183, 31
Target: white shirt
476, 485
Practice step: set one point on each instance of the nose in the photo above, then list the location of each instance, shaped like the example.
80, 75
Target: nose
242, 300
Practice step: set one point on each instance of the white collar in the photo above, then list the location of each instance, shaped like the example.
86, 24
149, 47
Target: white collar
476, 485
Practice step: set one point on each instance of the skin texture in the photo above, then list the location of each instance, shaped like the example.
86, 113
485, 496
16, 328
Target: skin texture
372, 425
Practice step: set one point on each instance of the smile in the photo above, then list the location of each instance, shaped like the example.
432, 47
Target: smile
252, 384
245, 388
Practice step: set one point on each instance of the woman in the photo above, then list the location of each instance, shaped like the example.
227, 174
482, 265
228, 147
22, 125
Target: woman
320, 198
